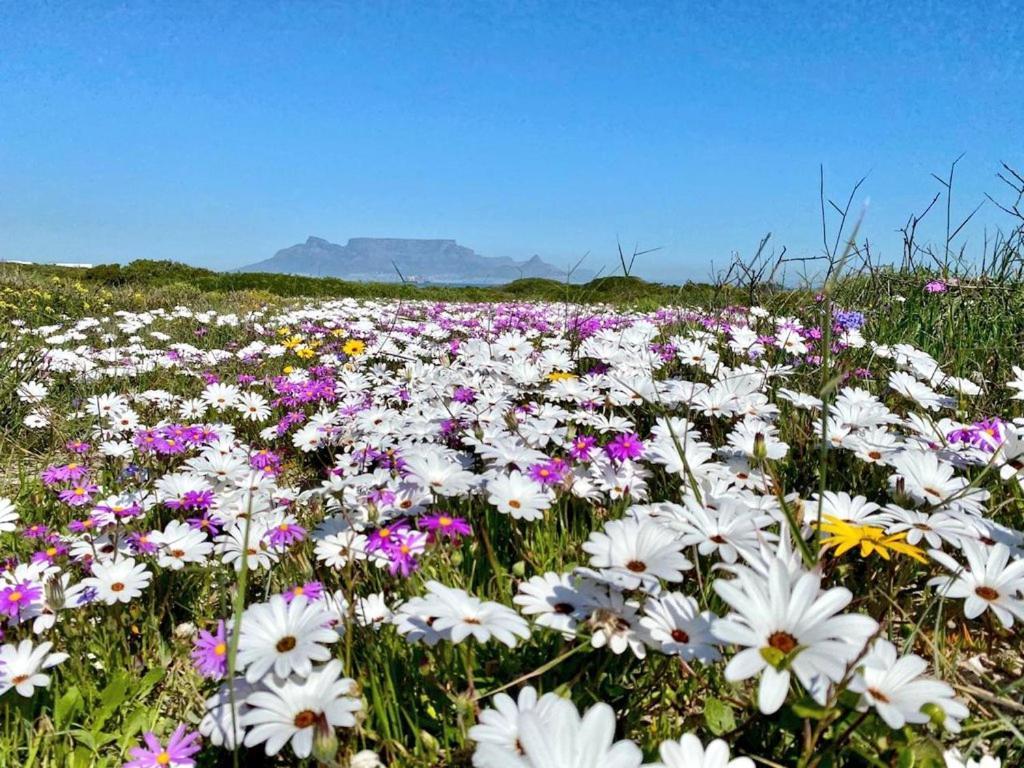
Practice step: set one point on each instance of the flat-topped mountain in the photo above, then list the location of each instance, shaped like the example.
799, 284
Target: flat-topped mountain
376, 258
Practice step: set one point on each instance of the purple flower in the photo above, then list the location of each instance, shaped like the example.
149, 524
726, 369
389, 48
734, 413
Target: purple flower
177, 754
464, 395
210, 652
550, 472
935, 286
87, 595
582, 446
848, 320
404, 551
207, 523
285, 534
986, 435
78, 495
14, 599
59, 473
140, 544
385, 536
49, 554
622, 447
35, 531
77, 446
84, 526
265, 460
314, 590
444, 525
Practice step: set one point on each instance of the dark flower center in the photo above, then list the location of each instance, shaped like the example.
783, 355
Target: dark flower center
117, 586
878, 695
679, 636
285, 644
782, 641
562, 608
636, 566
986, 593
305, 718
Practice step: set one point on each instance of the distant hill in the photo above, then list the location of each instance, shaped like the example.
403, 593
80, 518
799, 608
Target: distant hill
426, 261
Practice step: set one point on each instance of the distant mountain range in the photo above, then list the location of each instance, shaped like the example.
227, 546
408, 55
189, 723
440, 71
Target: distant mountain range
382, 258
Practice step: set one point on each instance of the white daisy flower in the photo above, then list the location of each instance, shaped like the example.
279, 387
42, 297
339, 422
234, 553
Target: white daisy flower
676, 622
989, 581
688, 752
787, 624
283, 637
557, 737
120, 581
632, 554
22, 665
519, 496
8, 516
179, 544
898, 688
293, 710
499, 725
558, 601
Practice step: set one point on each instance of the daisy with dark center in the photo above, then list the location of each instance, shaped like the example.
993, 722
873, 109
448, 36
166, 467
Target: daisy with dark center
557, 601
287, 710
897, 687
676, 622
284, 637
989, 581
787, 625
635, 554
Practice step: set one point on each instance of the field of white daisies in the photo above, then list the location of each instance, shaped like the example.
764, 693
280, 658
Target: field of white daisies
515, 535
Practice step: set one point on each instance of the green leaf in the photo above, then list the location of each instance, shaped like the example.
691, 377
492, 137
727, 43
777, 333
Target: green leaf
906, 759
66, 707
718, 716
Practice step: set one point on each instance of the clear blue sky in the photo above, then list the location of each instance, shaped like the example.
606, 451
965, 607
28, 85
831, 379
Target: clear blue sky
217, 133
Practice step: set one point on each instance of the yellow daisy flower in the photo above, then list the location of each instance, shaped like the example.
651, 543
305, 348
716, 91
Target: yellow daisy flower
354, 347
871, 540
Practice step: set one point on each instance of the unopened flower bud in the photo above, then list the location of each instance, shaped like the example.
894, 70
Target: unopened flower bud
325, 742
935, 712
54, 593
760, 449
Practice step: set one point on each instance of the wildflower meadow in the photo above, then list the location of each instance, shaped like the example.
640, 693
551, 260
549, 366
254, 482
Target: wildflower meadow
778, 529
